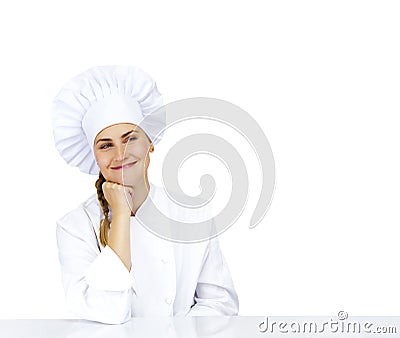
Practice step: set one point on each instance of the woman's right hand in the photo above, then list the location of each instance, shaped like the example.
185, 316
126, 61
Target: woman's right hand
119, 197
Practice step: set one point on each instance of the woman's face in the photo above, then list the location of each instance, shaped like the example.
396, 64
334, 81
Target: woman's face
121, 151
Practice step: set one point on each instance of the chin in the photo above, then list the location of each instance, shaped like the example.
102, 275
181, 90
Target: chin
133, 181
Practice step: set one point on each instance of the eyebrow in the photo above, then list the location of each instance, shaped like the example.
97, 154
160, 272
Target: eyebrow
122, 136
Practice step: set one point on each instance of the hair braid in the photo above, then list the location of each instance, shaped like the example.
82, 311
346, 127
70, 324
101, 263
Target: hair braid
105, 222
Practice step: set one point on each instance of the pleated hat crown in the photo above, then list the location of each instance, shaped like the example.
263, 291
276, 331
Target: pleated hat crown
100, 97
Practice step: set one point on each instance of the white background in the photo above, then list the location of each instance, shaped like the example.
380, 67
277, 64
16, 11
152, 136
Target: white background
321, 78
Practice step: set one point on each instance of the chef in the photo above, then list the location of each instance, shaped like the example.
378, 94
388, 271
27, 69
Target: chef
106, 122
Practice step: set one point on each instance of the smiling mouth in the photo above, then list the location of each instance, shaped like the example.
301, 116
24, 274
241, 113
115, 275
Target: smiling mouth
124, 166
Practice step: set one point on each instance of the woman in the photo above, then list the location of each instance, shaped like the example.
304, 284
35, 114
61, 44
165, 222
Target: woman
106, 122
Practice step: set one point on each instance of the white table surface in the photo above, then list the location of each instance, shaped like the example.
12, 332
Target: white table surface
191, 327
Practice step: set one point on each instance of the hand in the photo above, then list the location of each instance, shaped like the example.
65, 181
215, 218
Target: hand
119, 197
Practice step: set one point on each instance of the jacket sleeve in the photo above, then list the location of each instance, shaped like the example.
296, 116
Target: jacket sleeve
215, 293
97, 285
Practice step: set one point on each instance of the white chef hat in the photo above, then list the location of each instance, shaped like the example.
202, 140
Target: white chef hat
98, 98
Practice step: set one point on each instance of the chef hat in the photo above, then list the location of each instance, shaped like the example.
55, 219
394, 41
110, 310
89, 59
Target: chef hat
98, 98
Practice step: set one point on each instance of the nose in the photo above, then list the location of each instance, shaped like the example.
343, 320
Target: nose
120, 153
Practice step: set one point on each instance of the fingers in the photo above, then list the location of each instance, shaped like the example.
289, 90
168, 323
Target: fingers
117, 195
111, 186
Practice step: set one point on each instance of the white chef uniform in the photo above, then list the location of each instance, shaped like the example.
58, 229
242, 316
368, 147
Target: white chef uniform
166, 278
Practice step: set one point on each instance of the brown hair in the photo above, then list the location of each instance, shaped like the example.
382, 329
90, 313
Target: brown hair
105, 222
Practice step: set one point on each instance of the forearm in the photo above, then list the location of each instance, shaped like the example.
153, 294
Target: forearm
215, 292
111, 307
119, 238
97, 284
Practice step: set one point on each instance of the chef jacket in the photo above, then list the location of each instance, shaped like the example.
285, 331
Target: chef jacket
166, 279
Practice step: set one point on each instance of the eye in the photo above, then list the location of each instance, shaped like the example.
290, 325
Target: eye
130, 139
105, 146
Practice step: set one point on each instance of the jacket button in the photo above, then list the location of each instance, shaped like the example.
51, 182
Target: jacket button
168, 301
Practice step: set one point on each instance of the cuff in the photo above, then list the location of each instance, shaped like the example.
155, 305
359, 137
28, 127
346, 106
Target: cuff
108, 273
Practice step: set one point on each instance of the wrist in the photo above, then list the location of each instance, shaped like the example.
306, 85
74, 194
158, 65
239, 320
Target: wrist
121, 212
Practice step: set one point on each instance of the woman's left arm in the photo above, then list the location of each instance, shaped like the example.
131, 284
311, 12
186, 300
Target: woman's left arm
215, 293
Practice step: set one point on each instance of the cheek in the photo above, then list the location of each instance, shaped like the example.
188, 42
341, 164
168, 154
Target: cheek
102, 160
139, 150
